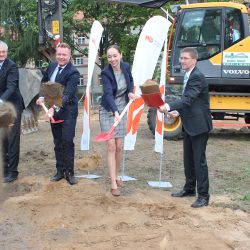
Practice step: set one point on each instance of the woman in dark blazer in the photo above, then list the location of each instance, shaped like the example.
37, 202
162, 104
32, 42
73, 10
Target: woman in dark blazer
118, 88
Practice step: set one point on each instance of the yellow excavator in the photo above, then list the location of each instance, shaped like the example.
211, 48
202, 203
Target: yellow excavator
220, 33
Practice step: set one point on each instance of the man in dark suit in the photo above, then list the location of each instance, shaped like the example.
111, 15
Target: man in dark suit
9, 92
194, 110
64, 72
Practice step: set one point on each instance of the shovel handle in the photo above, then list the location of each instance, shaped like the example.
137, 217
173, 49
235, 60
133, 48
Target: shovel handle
46, 110
123, 112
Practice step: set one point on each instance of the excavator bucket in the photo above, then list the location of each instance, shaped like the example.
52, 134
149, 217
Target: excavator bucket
29, 84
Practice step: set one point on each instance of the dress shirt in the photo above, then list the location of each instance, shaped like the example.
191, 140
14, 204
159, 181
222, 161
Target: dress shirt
186, 77
58, 70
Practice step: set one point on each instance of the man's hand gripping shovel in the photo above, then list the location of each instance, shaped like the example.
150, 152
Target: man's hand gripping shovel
52, 120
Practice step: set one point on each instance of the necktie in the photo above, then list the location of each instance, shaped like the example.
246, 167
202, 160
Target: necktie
58, 72
184, 83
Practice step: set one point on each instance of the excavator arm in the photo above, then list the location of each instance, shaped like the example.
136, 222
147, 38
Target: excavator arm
50, 27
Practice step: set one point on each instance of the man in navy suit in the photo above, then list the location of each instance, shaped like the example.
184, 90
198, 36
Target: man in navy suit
9, 92
194, 111
64, 72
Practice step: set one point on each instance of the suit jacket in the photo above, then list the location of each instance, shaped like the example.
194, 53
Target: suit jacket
194, 105
110, 85
9, 84
69, 78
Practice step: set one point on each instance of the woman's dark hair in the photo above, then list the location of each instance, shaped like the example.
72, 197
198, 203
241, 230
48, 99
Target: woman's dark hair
114, 46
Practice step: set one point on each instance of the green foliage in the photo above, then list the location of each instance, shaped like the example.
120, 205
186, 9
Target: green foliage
122, 24
246, 197
18, 18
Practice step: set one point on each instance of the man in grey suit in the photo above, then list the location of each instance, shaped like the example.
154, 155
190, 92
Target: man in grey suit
194, 111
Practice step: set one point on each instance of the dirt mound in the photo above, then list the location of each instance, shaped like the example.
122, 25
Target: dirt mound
43, 215
87, 216
89, 162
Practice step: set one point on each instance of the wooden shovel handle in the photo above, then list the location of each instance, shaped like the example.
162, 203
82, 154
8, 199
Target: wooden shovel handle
123, 112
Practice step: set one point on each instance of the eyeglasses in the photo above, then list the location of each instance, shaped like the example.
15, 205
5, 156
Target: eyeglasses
185, 58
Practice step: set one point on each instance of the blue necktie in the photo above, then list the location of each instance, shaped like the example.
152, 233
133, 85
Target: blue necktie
58, 72
184, 83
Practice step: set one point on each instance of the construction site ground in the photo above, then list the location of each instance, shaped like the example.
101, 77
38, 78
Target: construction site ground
40, 214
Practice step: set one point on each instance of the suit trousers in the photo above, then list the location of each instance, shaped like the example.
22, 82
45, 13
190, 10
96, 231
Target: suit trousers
11, 146
63, 134
195, 163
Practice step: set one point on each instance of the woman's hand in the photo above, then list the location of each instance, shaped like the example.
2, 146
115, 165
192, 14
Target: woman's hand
117, 116
132, 96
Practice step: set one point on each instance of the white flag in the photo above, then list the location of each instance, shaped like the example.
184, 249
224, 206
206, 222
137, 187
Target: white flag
159, 119
94, 41
147, 52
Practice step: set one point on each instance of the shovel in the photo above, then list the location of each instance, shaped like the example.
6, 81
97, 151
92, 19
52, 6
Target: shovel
105, 136
52, 120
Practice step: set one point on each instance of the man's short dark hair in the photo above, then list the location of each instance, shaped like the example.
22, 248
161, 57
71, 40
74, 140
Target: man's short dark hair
192, 51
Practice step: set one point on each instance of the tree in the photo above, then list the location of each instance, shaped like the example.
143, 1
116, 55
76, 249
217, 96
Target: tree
122, 24
18, 20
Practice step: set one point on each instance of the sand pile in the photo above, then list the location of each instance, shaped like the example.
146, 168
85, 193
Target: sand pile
91, 161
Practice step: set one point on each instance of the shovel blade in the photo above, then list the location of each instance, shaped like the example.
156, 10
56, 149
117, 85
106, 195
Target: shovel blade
104, 136
52, 120
57, 121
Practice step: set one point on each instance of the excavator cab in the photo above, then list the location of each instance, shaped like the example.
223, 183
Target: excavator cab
215, 30
220, 33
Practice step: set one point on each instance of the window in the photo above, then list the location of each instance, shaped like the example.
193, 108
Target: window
201, 29
83, 80
233, 25
78, 60
81, 40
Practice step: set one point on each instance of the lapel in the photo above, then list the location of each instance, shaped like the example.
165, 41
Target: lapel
187, 83
111, 71
3, 68
51, 69
124, 70
193, 70
62, 74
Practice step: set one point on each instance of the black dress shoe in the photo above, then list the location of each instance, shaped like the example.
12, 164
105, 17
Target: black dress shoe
200, 202
10, 178
183, 193
57, 177
71, 179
